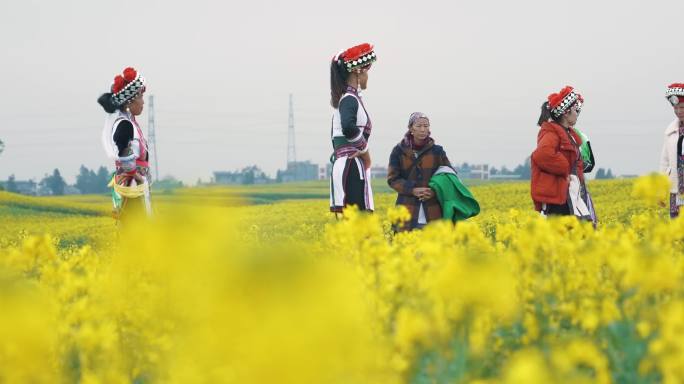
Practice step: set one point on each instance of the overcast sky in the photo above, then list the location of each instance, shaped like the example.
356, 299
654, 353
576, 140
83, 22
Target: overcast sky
221, 73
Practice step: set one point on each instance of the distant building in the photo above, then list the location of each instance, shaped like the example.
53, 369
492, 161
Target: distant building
248, 175
478, 171
505, 177
28, 187
378, 172
228, 177
43, 189
299, 171
324, 171
71, 190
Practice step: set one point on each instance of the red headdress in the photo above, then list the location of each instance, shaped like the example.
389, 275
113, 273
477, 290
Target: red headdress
560, 102
675, 93
356, 57
127, 86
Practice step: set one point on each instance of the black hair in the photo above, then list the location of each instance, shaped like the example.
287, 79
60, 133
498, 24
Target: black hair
105, 100
338, 82
546, 114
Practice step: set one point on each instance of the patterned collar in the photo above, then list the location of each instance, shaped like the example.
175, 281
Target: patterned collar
351, 89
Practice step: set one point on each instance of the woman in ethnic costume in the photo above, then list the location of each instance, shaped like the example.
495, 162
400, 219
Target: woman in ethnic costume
672, 156
124, 143
351, 128
561, 159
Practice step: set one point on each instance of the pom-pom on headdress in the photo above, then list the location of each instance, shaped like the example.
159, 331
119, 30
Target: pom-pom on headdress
675, 93
127, 86
357, 57
560, 102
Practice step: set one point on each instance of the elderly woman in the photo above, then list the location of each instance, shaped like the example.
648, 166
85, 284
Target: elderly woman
412, 164
672, 157
125, 144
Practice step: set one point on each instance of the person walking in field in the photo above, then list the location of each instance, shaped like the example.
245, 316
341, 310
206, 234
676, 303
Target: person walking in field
562, 157
672, 155
351, 129
125, 144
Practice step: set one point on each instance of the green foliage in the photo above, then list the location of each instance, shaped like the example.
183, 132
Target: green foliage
88, 181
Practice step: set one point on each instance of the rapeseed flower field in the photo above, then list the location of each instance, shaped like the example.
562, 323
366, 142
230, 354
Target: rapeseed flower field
215, 291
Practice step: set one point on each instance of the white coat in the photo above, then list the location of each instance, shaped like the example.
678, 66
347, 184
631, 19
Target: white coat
668, 157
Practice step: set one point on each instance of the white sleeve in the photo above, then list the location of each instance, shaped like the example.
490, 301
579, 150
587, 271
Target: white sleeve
135, 147
664, 159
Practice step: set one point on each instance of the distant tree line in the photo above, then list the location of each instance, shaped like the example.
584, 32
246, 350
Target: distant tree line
604, 174
52, 184
88, 181
524, 170
248, 175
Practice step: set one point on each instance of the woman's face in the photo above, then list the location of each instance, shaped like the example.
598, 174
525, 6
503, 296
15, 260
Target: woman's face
421, 129
679, 111
136, 105
571, 116
363, 78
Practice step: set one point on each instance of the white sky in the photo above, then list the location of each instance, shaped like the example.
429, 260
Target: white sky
221, 73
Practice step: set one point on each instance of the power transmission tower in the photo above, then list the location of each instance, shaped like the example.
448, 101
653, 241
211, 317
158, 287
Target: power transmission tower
153, 137
291, 153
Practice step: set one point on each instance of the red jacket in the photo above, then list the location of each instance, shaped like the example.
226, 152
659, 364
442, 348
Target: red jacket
551, 163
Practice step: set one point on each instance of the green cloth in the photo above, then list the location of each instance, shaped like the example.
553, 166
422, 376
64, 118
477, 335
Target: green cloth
116, 198
456, 200
585, 151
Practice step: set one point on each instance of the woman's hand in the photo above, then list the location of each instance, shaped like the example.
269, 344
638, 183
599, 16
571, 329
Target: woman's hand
365, 156
423, 193
138, 178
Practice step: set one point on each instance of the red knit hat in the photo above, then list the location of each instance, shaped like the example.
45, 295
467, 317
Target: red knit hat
560, 102
675, 93
360, 56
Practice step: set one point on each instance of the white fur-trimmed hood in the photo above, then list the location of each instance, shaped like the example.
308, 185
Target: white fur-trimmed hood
672, 128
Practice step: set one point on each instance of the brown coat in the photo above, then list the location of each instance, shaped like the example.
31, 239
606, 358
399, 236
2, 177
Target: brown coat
402, 176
